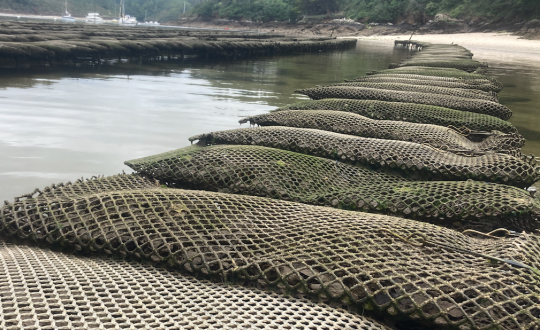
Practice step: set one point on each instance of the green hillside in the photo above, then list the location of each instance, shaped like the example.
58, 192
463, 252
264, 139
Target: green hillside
291, 10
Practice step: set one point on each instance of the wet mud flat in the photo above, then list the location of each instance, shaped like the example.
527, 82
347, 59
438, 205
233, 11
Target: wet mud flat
51, 43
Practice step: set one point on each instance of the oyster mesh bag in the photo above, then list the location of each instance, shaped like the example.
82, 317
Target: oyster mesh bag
421, 161
485, 83
438, 72
467, 93
42, 289
260, 171
425, 82
453, 102
461, 64
439, 57
382, 266
443, 138
408, 112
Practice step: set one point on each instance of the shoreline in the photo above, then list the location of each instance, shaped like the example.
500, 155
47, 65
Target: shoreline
506, 46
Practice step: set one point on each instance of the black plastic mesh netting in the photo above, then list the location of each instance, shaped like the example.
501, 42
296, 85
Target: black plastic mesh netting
430, 69
92, 185
274, 173
438, 56
486, 84
409, 112
437, 72
385, 267
468, 93
444, 138
420, 161
452, 102
461, 64
42, 289
463, 84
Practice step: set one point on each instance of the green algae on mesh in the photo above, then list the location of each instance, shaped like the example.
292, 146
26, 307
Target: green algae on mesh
281, 245
398, 86
417, 160
409, 112
458, 141
452, 102
258, 171
55, 44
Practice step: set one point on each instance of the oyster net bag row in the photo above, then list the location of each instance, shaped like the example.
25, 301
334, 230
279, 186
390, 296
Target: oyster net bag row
424, 82
467, 93
453, 102
461, 64
382, 266
437, 72
408, 112
439, 56
274, 173
420, 161
42, 289
483, 84
443, 138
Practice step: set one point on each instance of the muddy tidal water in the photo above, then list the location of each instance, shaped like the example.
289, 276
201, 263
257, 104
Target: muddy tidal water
63, 123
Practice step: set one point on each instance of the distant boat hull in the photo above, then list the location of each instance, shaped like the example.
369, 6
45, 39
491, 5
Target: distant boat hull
128, 20
68, 19
149, 24
93, 18
94, 21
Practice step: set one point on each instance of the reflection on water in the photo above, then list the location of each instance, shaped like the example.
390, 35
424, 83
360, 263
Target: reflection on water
59, 125
521, 93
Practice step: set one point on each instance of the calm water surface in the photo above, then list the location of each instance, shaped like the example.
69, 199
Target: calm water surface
60, 124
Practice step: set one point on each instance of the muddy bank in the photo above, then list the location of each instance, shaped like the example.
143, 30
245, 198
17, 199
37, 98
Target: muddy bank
529, 30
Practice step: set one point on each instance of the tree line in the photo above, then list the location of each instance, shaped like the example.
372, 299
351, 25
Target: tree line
290, 10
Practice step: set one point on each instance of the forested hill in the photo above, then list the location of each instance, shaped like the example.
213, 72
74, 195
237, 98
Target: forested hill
394, 11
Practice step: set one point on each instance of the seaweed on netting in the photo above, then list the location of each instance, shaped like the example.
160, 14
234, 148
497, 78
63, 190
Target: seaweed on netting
408, 112
459, 92
391, 268
461, 64
419, 80
419, 161
452, 102
456, 140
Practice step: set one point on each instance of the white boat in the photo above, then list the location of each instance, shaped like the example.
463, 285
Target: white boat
93, 18
67, 16
127, 20
124, 19
149, 23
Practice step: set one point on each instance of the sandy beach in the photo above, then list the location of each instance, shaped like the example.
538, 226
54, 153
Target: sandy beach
503, 46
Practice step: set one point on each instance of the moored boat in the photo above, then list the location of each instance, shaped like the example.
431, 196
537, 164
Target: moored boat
67, 18
94, 18
124, 19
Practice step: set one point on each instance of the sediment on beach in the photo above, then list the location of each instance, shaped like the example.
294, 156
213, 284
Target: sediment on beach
65, 43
